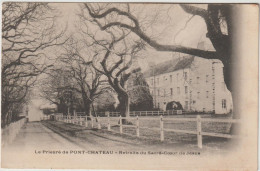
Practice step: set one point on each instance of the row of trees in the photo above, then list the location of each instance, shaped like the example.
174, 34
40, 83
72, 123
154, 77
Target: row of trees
28, 29
96, 62
85, 73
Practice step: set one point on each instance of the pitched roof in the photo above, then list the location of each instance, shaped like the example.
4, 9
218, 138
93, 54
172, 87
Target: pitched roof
170, 66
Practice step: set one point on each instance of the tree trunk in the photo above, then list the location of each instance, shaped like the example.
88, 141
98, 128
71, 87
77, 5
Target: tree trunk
124, 103
87, 107
232, 64
4, 115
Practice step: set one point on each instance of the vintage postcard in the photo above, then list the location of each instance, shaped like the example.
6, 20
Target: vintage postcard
158, 86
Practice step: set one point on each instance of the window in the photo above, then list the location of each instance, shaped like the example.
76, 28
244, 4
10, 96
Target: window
185, 76
198, 95
198, 80
224, 104
170, 78
207, 94
164, 78
207, 78
158, 105
186, 105
178, 90
171, 91
194, 101
158, 92
177, 77
186, 89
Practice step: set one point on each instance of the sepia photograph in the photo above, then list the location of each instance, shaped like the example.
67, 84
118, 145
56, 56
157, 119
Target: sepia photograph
129, 86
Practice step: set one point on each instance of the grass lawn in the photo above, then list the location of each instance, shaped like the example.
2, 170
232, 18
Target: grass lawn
171, 137
151, 137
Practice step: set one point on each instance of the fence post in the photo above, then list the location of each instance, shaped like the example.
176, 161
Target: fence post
199, 136
83, 120
137, 127
134, 113
108, 121
161, 128
92, 122
74, 117
86, 121
99, 124
80, 120
121, 126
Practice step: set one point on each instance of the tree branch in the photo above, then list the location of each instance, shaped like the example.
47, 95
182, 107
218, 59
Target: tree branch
160, 47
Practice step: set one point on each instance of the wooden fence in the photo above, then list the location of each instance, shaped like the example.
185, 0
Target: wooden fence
10, 132
101, 121
138, 113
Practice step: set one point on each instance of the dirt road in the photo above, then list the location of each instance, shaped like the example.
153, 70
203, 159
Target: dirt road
43, 135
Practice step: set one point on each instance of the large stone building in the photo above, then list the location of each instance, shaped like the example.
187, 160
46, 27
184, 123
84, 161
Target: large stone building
196, 83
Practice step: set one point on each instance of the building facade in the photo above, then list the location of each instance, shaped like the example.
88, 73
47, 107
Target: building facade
196, 83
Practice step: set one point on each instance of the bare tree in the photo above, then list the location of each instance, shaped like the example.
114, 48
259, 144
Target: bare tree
89, 82
114, 54
216, 17
27, 30
58, 88
116, 66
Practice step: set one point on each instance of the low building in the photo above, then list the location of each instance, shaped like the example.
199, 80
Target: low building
197, 83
